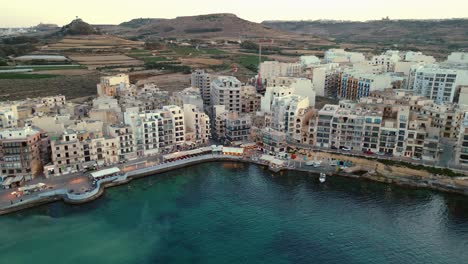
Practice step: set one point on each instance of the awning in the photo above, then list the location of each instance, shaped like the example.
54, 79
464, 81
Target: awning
7, 181
17, 179
268, 158
238, 151
31, 187
249, 145
105, 172
182, 154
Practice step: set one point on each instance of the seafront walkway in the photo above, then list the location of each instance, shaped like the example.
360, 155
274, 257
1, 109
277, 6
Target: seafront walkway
79, 188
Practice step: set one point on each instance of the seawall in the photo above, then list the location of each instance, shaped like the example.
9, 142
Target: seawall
443, 184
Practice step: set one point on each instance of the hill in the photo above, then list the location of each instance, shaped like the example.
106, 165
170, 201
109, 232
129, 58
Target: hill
78, 27
212, 25
448, 35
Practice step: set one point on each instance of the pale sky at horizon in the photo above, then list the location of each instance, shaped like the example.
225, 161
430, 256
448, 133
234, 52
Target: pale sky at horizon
32, 12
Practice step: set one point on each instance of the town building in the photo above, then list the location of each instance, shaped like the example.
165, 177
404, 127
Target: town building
20, 152
197, 125
202, 80
189, 95
342, 56
236, 127
225, 90
439, 82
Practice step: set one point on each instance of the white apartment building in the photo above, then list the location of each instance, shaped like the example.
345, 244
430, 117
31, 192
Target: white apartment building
325, 79
285, 111
458, 58
387, 61
342, 56
8, 118
202, 80
273, 69
197, 125
307, 61
190, 95
438, 82
324, 125
225, 90
412, 56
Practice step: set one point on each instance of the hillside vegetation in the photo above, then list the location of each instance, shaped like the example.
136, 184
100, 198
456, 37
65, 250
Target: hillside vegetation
435, 35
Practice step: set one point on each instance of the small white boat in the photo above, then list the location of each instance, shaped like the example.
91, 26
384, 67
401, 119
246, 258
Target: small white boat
323, 177
313, 163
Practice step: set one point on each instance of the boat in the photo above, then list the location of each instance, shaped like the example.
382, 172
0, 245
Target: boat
323, 177
313, 163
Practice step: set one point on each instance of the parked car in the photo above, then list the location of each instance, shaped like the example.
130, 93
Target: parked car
333, 147
368, 152
381, 154
345, 148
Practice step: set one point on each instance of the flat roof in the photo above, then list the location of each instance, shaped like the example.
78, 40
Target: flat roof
105, 172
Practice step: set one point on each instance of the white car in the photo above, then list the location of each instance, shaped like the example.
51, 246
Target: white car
345, 148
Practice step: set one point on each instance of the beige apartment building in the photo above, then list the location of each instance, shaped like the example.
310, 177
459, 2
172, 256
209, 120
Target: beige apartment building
20, 152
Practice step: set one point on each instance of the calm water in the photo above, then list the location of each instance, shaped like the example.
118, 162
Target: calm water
227, 213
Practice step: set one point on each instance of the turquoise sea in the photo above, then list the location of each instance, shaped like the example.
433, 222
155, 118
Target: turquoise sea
239, 213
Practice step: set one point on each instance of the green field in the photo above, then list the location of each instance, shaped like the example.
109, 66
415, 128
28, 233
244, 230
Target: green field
213, 51
249, 61
46, 68
25, 76
155, 59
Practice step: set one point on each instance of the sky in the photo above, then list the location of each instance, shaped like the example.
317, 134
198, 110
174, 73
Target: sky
31, 12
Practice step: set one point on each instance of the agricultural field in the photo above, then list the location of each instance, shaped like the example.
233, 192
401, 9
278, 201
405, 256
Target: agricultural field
92, 42
24, 76
98, 61
34, 85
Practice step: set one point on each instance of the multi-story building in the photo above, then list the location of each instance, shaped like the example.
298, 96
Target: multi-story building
20, 152
388, 61
127, 144
272, 69
342, 56
458, 58
113, 85
273, 141
8, 118
197, 125
52, 101
324, 125
285, 111
202, 80
461, 155
438, 82
326, 79
67, 154
217, 123
225, 90
355, 84
446, 117
237, 127
189, 95
250, 99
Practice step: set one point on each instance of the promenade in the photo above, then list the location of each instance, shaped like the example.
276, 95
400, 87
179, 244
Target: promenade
59, 188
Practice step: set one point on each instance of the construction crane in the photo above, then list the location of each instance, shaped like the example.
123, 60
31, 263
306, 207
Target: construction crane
260, 43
